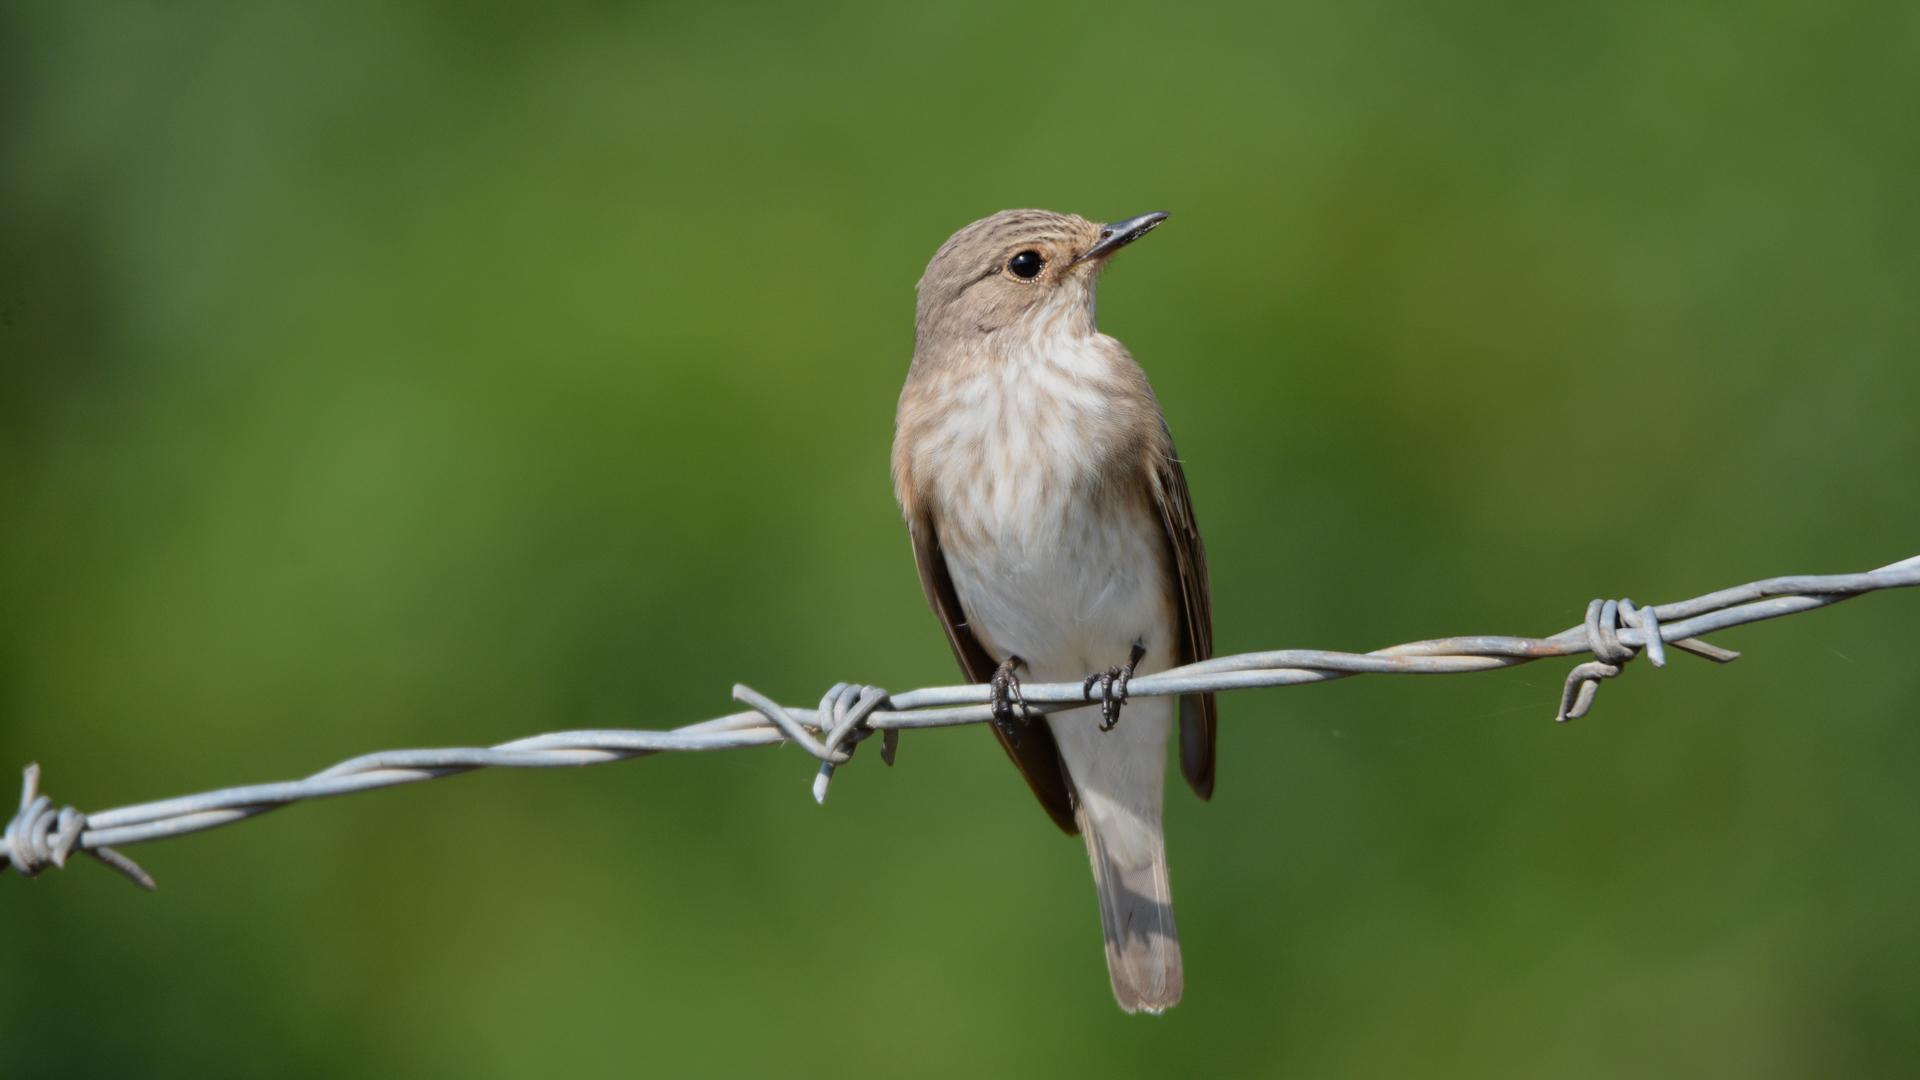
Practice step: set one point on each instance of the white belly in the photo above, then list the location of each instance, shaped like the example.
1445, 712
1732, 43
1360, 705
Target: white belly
1067, 588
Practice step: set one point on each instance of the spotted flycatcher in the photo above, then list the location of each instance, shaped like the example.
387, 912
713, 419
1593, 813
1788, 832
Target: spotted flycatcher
1054, 535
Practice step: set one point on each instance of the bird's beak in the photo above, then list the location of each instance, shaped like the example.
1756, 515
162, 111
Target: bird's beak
1119, 234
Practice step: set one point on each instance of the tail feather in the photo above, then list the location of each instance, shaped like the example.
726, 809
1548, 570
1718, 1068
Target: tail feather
1136, 910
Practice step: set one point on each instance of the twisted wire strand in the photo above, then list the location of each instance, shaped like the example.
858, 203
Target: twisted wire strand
1614, 631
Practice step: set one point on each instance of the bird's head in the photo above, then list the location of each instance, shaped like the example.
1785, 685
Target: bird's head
1025, 269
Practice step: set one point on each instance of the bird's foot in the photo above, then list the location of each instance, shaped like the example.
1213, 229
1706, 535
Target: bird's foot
1003, 695
1113, 688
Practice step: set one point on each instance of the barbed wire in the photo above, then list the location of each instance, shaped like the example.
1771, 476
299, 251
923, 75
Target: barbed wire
1614, 631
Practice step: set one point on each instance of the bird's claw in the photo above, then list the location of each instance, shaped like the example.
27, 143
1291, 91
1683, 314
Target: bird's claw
1113, 693
1003, 695
1113, 688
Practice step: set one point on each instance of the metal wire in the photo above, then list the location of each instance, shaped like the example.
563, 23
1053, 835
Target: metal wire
40, 836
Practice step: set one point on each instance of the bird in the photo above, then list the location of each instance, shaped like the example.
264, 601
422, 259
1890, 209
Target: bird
1056, 542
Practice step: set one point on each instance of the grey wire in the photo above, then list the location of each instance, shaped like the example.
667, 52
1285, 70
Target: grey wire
40, 836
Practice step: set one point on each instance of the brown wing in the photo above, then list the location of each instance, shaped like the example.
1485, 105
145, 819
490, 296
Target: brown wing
1036, 755
1198, 717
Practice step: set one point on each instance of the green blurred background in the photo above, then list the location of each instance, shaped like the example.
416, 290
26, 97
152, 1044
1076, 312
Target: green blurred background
436, 374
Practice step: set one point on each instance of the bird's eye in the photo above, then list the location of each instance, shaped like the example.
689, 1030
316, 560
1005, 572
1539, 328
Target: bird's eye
1026, 265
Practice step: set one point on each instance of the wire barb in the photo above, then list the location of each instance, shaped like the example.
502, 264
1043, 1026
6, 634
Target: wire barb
40, 836
1614, 631
848, 705
1610, 658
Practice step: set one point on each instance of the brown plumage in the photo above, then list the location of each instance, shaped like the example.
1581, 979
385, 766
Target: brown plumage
1054, 533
